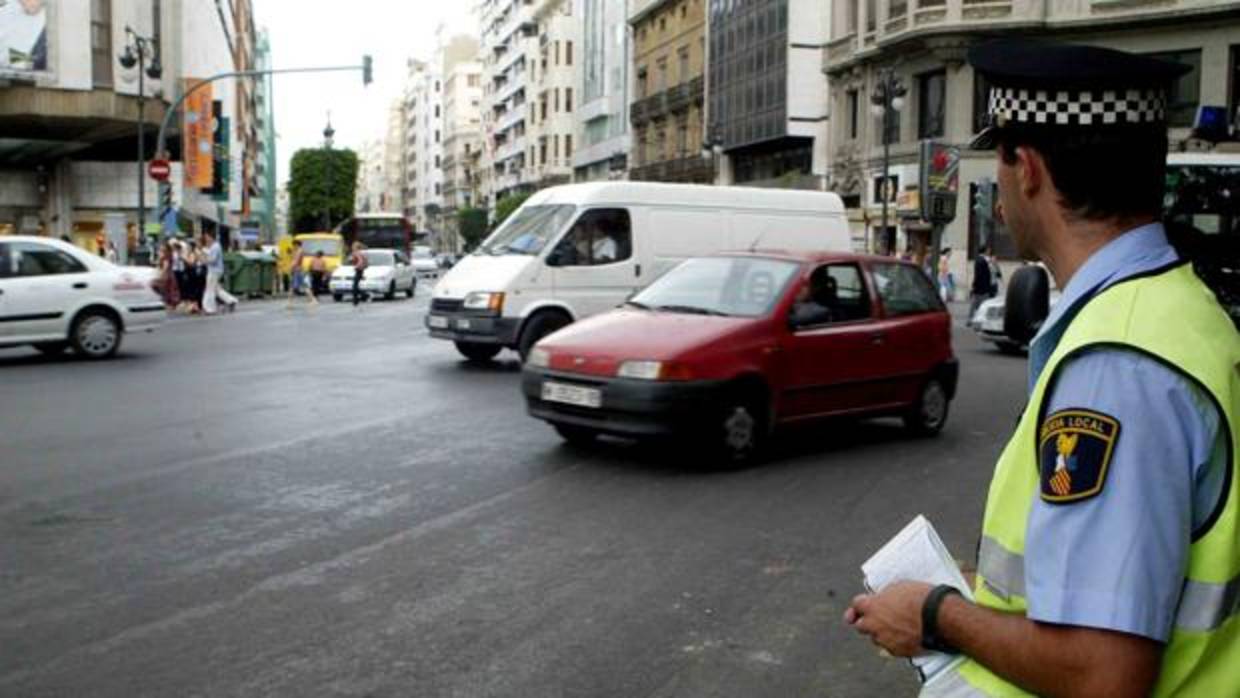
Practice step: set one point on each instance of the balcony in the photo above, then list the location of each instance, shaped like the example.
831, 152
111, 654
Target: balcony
670, 101
691, 168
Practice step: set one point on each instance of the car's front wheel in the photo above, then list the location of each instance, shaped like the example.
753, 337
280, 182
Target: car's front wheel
337, 297
737, 430
928, 414
478, 352
391, 292
413, 287
96, 334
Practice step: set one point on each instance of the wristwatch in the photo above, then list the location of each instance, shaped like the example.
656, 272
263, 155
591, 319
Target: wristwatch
930, 620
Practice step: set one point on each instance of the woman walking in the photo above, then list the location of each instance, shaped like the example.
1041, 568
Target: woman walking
169, 288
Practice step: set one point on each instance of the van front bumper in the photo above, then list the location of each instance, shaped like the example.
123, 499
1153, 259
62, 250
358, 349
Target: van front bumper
630, 407
478, 329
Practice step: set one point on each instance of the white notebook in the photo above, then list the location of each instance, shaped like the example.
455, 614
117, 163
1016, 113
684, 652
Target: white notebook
917, 554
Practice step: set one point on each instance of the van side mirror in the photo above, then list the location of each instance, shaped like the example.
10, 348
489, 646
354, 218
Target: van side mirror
1027, 303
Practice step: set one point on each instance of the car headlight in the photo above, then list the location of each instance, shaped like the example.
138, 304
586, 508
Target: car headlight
539, 358
643, 370
481, 300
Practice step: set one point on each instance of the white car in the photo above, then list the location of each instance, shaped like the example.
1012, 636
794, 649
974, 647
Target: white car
388, 272
56, 296
988, 323
425, 265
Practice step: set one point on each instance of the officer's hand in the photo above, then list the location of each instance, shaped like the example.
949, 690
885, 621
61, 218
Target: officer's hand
892, 617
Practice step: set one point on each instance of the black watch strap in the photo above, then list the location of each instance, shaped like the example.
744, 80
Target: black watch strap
930, 619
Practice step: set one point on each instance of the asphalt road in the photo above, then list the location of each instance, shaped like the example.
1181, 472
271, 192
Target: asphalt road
329, 502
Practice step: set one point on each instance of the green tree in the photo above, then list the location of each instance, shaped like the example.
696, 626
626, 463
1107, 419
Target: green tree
505, 206
321, 182
472, 224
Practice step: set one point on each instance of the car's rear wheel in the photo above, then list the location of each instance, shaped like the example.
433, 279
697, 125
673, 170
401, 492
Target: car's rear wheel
478, 352
538, 327
52, 348
575, 435
928, 414
96, 334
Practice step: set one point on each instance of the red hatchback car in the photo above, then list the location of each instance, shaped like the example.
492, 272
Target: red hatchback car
725, 348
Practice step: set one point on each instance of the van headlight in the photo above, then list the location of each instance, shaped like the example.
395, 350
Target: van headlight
483, 300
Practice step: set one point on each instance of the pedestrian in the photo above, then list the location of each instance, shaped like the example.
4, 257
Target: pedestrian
1110, 552
983, 283
946, 284
196, 276
996, 274
358, 260
110, 252
318, 273
215, 270
299, 282
169, 288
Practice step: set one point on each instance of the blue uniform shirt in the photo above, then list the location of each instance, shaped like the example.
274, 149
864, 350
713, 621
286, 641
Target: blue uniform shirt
1117, 561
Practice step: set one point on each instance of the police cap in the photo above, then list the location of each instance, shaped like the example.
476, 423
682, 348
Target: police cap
1041, 85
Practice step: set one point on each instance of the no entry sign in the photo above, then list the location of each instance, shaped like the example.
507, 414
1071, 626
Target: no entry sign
159, 170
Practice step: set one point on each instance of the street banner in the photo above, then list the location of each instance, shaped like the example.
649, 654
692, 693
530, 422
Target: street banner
23, 37
198, 144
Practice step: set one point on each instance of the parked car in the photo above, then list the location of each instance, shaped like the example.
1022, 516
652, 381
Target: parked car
424, 263
55, 296
388, 272
987, 322
574, 251
728, 347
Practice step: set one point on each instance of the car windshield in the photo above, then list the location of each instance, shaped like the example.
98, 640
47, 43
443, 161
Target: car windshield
380, 259
528, 230
423, 253
329, 248
742, 286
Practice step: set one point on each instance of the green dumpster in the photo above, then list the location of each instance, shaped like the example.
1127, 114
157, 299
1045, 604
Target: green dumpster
244, 277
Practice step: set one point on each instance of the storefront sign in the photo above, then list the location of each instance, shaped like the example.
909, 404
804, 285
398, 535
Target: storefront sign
198, 146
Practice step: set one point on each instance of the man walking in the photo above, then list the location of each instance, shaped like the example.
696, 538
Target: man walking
299, 282
359, 262
215, 271
1109, 562
983, 284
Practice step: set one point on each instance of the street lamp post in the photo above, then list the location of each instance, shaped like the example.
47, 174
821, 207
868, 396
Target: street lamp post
328, 134
137, 52
887, 99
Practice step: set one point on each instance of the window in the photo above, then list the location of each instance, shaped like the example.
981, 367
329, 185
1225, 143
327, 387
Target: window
101, 42
834, 293
871, 15
542, 148
684, 65
568, 145
33, 259
981, 102
641, 82
1185, 93
600, 236
556, 92
568, 99
905, 290
436, 111
682, 137
932, 104
661, 83
568, 53
854, 113
557, 53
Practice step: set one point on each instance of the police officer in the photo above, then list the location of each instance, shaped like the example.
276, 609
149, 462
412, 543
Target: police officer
1109, 562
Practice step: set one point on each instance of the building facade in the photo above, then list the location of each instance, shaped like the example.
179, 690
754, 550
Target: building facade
393, 200
509, 38
552, 70
602, 142
423, 163
767, 109
264, 207
924, 44
668, 110
462, 132
69, 162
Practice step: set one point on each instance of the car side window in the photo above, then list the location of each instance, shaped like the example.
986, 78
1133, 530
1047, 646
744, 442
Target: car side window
6, 262
600, 236
33, 259
401, 258
905, 290
834, 293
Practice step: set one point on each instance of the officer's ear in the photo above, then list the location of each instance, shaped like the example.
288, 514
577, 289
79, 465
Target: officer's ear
1027, 303
1031, 172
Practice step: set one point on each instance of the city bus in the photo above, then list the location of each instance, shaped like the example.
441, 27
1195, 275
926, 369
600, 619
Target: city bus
378, 230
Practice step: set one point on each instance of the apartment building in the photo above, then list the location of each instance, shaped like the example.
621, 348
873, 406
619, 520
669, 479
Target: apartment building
371, 177
922, 45
602, 141
767, 108
462, 128
668, 111
509, 40
393, 199
423, 143
553, 81
264, 206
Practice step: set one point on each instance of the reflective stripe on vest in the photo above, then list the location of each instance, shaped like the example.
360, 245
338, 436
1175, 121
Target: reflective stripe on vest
1203, 606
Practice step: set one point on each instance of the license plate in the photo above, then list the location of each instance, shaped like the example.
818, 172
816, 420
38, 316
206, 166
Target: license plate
439, 323
572, 395
462, 324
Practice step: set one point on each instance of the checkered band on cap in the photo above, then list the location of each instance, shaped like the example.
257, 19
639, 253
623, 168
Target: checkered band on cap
1076, 108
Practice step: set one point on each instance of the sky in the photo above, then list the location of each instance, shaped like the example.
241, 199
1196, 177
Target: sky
308, 33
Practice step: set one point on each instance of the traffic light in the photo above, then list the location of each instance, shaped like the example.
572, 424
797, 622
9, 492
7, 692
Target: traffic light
368, 65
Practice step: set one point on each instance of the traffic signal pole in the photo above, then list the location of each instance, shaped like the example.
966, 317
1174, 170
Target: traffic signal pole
367, 69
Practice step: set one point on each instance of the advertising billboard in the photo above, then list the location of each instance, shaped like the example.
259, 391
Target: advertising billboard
198, 146
23, 36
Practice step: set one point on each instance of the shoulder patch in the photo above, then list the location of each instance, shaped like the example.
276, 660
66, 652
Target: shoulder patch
1074, 452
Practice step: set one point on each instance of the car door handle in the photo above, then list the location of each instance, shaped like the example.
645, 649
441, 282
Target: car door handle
80, 285
637, 270
877, 338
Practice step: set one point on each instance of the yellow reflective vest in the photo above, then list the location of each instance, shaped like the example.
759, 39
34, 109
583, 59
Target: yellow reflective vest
1174, 318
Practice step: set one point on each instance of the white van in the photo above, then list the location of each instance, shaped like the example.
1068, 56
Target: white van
576, 250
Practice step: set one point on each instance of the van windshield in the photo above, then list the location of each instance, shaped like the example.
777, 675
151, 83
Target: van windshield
528, 230
745, 286
329, 248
